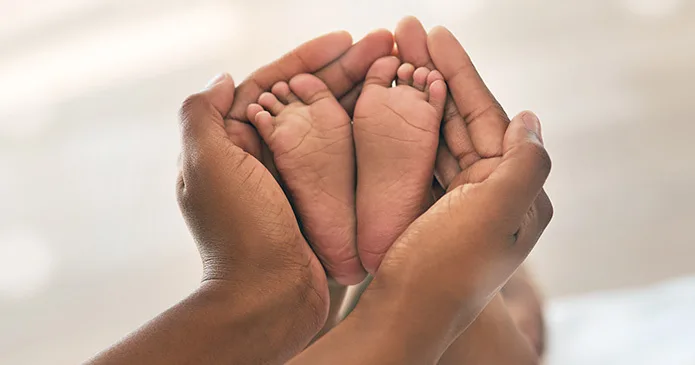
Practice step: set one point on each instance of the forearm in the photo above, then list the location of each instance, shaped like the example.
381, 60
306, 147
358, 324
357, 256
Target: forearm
492, 339
525, 304
370, 340
382, 329
218, 326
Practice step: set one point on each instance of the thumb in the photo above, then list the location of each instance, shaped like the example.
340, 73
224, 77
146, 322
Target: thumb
204, 112
525, 166
220, 91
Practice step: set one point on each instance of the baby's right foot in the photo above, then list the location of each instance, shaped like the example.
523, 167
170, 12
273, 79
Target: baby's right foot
310, 137
396, 131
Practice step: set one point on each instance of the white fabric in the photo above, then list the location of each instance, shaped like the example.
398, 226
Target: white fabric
651, 326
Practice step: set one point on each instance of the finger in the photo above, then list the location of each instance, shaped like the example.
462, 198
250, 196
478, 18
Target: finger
456, 136
220, 92
485, 118
382, 72
349, 100
345, 73
202, 113
244, 136
446, 167
411, 40
307, 58
518, 180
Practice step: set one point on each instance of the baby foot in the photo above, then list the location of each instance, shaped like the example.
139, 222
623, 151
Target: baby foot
396, 131
310, 137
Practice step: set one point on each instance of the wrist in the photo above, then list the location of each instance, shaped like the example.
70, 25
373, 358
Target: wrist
291, 289
281, 314
417, 333
222, 322
493, 330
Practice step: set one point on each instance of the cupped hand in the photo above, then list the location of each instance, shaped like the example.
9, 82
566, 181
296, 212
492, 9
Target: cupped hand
447, 266
242, 222
239, 215
472, 240
342, 66
471, 148
472, 133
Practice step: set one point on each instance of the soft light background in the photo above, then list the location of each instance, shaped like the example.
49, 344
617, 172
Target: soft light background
91, 240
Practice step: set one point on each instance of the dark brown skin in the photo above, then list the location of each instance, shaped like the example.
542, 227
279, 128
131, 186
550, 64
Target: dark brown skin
418, 269
343, 76
471, 163
520, 322
264, 294
526, 308
417, 305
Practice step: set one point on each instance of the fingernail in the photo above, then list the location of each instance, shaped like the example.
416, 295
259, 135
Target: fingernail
532, 123
216, 80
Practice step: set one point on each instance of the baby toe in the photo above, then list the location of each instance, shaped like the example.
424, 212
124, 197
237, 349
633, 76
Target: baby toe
405, 74
420, 78
271, 103
252, 110
282, 91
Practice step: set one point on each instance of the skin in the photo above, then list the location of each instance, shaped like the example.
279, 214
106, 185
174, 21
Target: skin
229, 320
460, 158
342, 68
249, 243
514, 324
482, 231
310, 137
526, 308
396, 131
224, 194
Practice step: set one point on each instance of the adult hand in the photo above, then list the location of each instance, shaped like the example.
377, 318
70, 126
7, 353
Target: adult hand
473, 163
343, 68
473, 132
472, 135
264, 293
418, 303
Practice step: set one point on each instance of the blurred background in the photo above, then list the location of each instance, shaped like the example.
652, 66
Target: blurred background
91, 241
